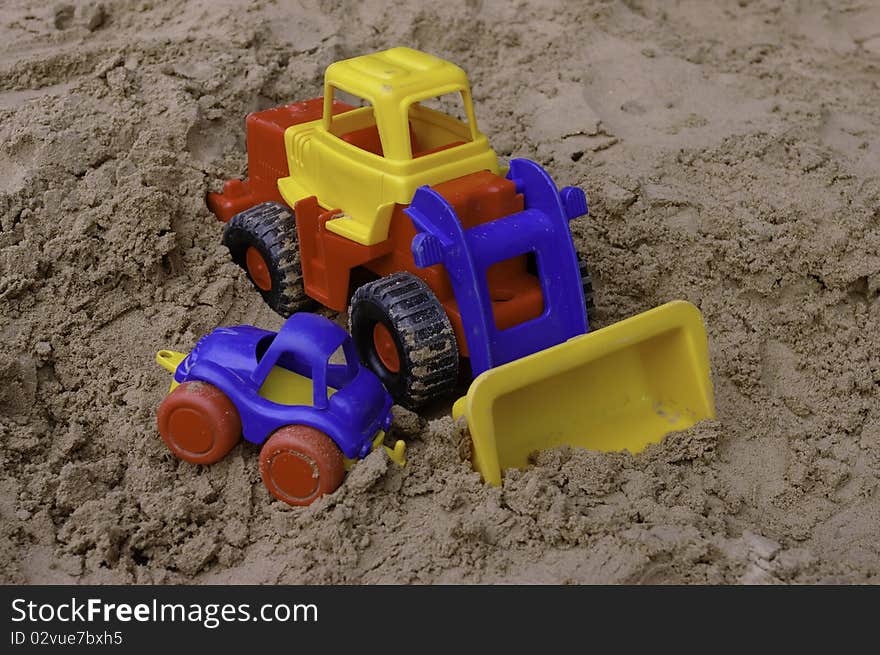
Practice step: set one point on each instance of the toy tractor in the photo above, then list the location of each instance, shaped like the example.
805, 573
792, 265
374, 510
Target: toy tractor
383, 197
472, 265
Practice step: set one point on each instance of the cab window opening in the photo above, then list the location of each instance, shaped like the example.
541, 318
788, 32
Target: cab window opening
438, 122
356, 126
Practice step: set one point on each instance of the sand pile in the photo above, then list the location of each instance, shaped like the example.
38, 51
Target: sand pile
730, 155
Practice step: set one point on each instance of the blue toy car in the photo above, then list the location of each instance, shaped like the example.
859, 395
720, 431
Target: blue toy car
300, 392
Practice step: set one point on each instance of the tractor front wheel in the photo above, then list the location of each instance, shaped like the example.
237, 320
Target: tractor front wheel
198, 423
587, 285
300, 464
263, 241
404, 336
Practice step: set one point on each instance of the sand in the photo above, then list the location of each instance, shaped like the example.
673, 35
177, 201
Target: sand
730, 154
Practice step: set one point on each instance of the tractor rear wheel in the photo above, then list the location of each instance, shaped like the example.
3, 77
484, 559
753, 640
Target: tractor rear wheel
404, 336
262, 240
300, 464
587, 284
198, 423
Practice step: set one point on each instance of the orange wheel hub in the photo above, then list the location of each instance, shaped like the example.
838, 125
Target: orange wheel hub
294, 473
192, 430
299, 464
385, 347
257, 269
198, 423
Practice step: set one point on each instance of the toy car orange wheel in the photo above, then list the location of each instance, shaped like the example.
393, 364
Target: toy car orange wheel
198, 423
300, 464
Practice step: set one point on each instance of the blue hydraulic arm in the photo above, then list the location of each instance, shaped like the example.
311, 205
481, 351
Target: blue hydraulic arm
541, 228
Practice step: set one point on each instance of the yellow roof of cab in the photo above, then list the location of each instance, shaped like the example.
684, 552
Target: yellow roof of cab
392, 75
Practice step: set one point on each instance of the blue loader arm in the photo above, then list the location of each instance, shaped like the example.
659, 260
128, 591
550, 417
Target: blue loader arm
467, 254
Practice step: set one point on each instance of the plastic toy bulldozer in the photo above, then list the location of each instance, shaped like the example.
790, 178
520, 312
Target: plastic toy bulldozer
384, 198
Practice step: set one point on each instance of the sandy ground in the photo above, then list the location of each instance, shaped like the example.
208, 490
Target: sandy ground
730, 153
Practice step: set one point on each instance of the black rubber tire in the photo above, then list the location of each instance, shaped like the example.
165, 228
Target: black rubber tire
421, 331
587, 284
270, 228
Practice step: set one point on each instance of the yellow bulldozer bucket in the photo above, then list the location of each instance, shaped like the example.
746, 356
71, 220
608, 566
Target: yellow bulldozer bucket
619, 388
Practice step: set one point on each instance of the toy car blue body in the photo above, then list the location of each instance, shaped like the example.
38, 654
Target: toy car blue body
267, 376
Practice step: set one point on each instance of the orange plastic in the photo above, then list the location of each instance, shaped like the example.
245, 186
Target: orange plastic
267, 159
327, 259
367, 138
299, 464
386, 348
258, 269
431, 151
198, 423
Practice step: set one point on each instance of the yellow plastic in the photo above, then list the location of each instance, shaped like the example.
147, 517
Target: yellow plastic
169, 359
366, 186
619, 388
287, 388
397, 454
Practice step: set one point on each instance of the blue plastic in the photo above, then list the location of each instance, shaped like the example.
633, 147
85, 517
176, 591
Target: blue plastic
237, 360
542, 228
